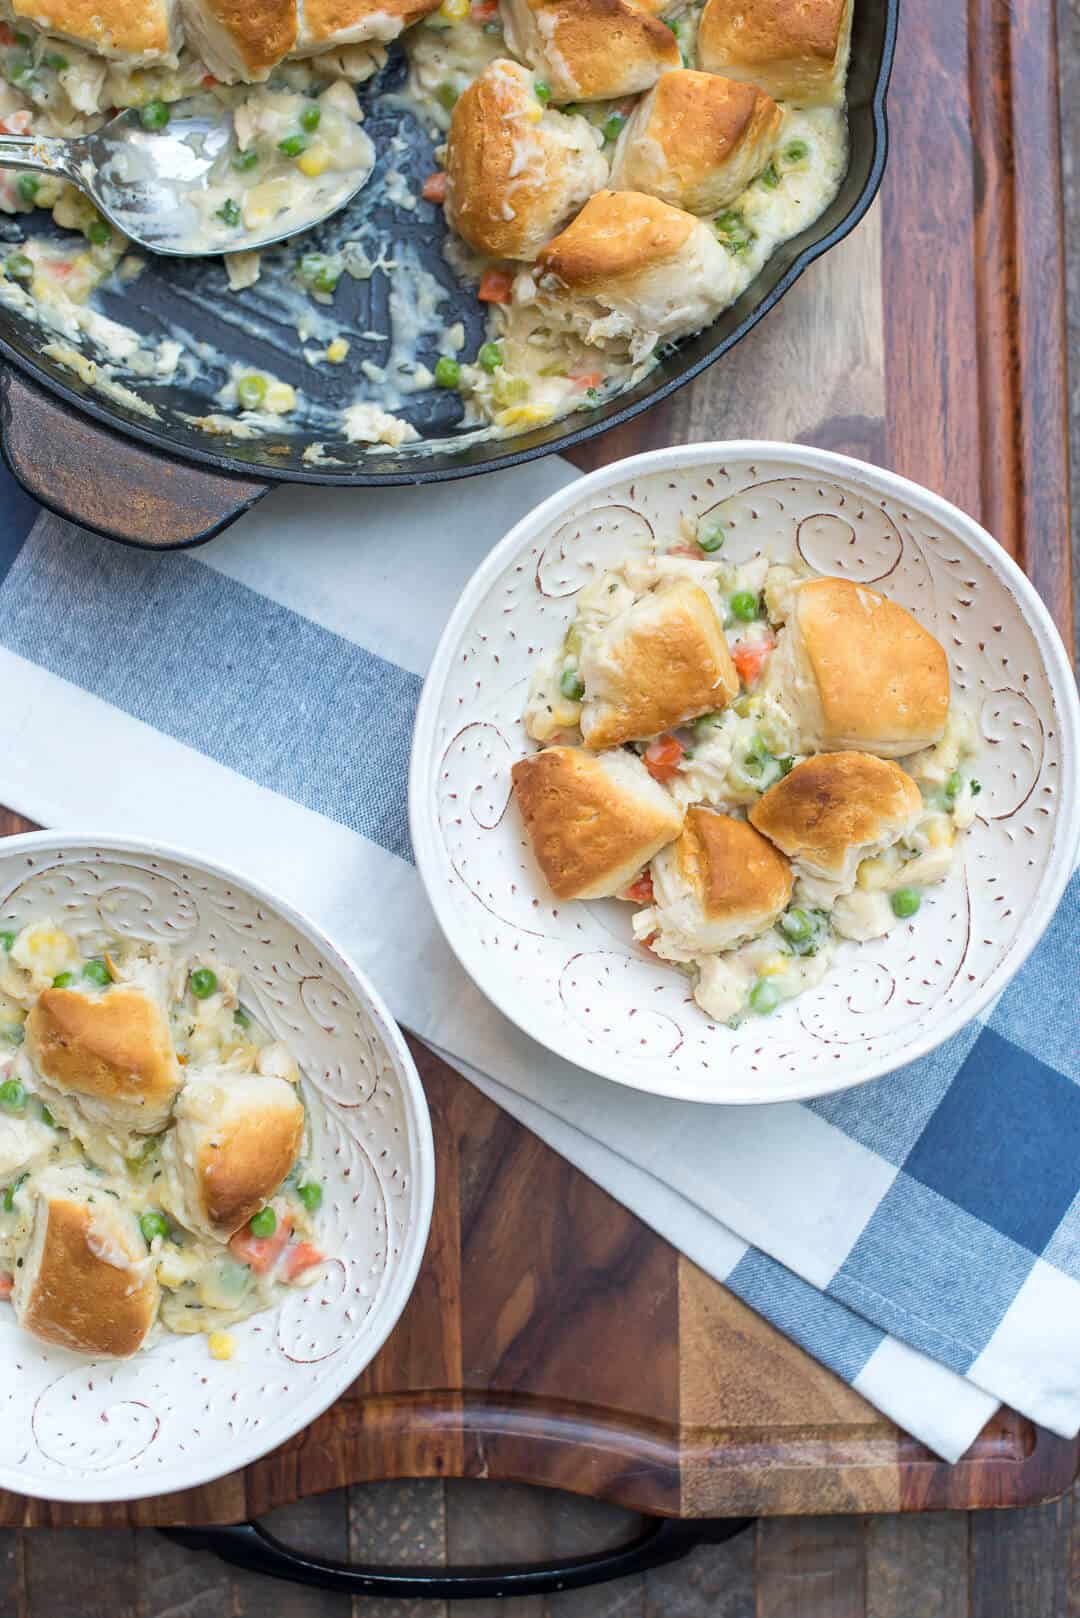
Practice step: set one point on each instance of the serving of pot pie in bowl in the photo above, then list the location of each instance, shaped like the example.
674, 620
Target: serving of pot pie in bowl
746, 772
216, 1169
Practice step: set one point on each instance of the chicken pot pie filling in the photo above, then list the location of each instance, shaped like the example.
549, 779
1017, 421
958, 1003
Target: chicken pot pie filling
551, 347
57, 1138
726, 760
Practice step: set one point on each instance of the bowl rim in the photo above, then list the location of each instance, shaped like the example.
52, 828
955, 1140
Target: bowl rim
306, 1410
681, 457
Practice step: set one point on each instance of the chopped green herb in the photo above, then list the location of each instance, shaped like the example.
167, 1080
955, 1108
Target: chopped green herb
244, 162
57, 62
241, 1017
97, 972
786, 765
611, 128
975, 788
63, 980
769, 177
47, 1117
732, 231
7, 939
229, 212
9, 1193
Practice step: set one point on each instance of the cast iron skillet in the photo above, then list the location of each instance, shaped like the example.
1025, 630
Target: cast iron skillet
165, 484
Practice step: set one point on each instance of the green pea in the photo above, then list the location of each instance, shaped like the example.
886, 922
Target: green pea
310, 1195
674, 26
769, 177
229, 212
764, 997
796, 925
786, 765
446, 95
7, 939
57, 62
97, 972
292, 145
795, 151
152, 1223
25, 40
28, 186
10, 1192
12, 1095
611, 128
244, 162
63, 980
98, 232
572, 685
310, 118
251, 390
710, 534
47, 1117
953, 784
490, 356
744, 606
905, 902
241, 1018
542, 92
203, 982
447, 372
155, 115
264, 1223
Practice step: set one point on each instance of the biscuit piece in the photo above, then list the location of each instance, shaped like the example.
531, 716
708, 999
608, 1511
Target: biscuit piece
696, 141
853, 669
594, 819
795, 50
515, 173
135, 32
719, 883
590, 50
241, 40
834, 810
660, 664
331, 24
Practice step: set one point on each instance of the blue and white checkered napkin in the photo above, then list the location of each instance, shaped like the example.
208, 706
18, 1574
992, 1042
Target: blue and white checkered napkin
254, 699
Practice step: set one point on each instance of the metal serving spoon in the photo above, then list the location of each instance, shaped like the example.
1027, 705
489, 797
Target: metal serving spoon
146, 182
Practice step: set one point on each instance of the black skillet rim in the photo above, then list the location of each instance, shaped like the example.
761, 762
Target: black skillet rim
352, 477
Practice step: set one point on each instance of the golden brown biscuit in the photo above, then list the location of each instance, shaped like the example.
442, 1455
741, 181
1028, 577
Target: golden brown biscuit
795, 50
594, 820
86, 1280
719, 883
110, 1056
660, 664
696, 141
329, 24
837, 808
234, 1139
856, 670
516, 173
590, 50
132, 31
241, 39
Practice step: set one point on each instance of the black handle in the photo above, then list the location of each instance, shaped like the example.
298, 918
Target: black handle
662, 1540
112, 484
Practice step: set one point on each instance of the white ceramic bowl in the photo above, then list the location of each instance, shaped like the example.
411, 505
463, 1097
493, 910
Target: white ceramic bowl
567, 973
171, 1417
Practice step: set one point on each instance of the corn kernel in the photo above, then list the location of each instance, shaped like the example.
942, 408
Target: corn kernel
221, 1345
315, 161
337, 350
524, 415
772, 966
534, 112
874, 875
939, 834
454, 10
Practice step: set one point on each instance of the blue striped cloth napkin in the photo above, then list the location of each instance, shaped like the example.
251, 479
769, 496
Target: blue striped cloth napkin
254, 700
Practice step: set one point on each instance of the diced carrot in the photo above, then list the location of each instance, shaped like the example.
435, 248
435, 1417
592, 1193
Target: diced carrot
641, 891
485, 10
586, 379
688, 548
7, 1284
7, 34
434, 188
261, 1252
750, 658
495, 286
301, 1256
60, 267
17, 122
663, 757
647, 943
208, 81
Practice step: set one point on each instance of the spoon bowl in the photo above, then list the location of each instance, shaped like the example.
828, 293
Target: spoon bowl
154, 185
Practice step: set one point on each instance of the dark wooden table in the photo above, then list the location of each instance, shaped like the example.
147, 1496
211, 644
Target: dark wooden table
933, 343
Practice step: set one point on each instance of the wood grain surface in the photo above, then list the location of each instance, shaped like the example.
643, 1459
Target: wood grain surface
932, 341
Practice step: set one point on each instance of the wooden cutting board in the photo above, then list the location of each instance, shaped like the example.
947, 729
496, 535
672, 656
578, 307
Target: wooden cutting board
552, 1338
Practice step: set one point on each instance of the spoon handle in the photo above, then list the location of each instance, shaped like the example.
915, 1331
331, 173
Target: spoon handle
42, 153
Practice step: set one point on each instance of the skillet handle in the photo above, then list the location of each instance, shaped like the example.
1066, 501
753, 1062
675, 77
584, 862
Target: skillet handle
662, 1540
110, 484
